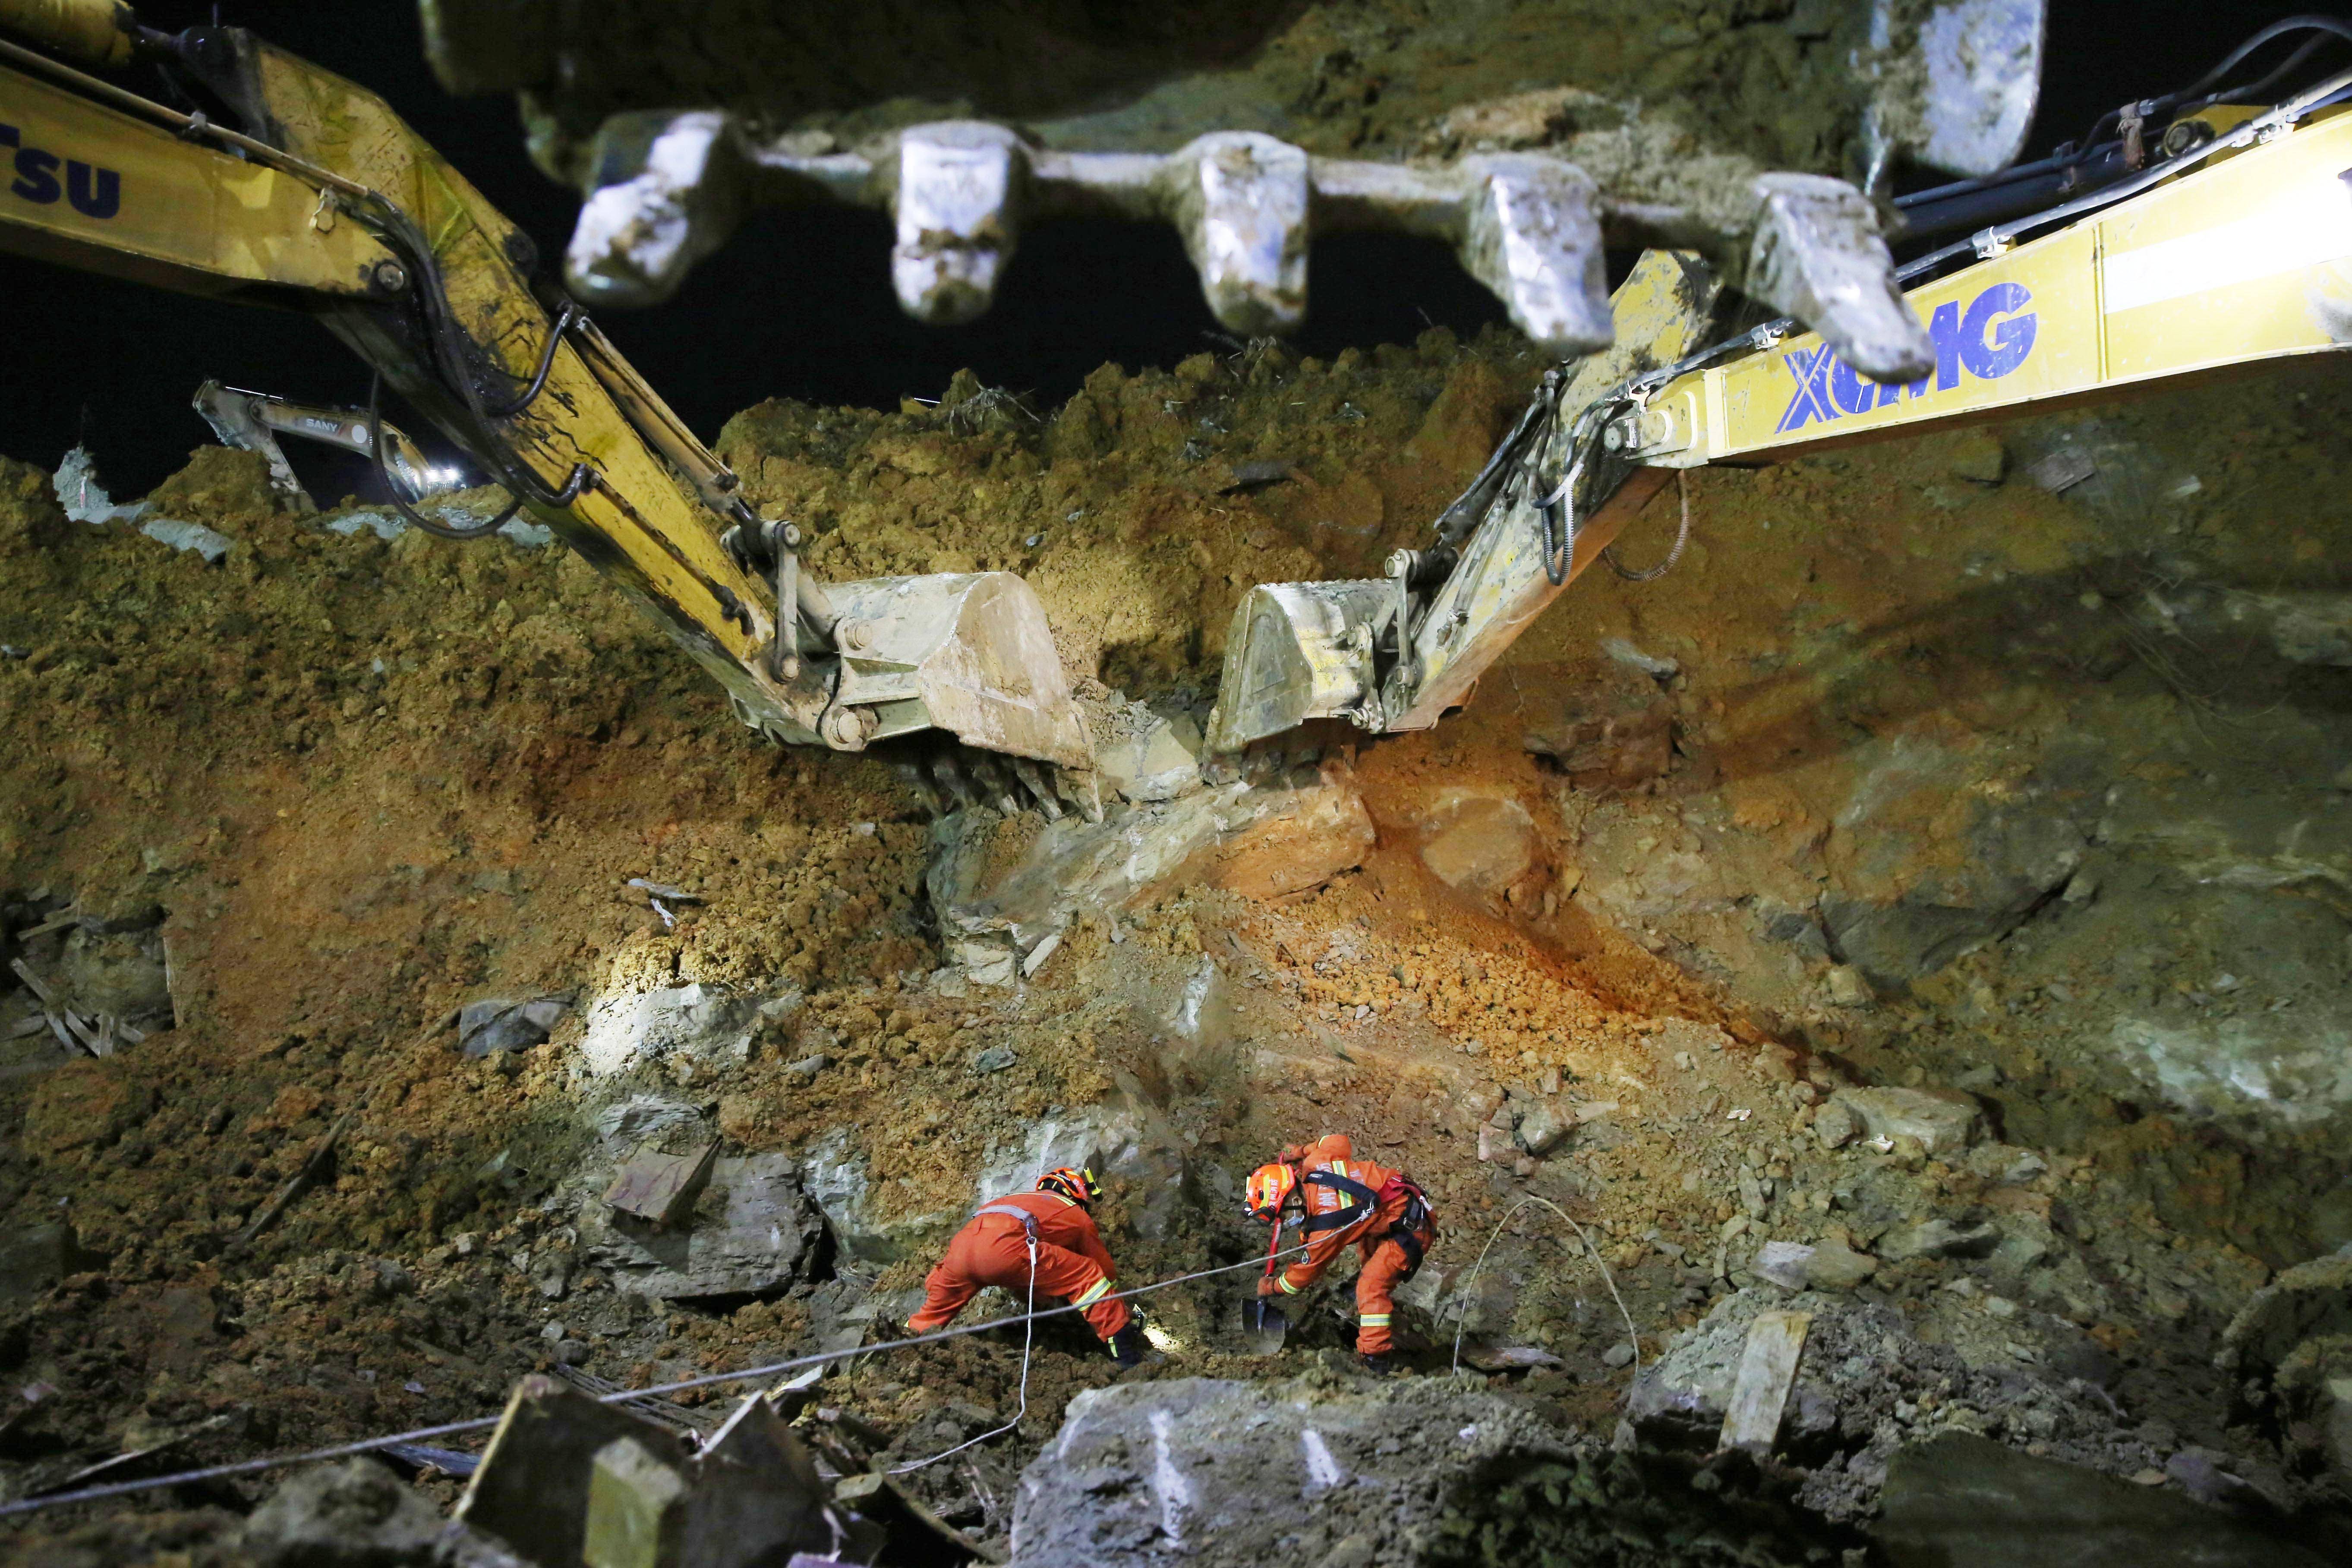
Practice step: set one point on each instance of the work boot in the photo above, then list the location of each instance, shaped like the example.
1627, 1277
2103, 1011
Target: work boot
1126, 1346
1379, 1364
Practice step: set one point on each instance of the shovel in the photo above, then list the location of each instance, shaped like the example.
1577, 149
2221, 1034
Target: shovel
1262, 1325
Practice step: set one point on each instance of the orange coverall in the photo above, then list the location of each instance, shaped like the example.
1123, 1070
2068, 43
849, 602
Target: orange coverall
1073, 1265
1387, 1260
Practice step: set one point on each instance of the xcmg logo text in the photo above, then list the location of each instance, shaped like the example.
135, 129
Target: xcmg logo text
1991, 337
94, 191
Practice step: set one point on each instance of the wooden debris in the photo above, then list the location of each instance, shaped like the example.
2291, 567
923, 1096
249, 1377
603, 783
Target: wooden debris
313, 1167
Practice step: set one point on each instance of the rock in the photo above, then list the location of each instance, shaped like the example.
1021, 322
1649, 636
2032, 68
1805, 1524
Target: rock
833, 1175
1618, 1355
1847, 987
357, 1514
1158, 761
1927, 865
1943, 1124
1976, 455
699, 1021
1937, 1238
660, 1188
1959, 1498
1218, 1471
1322, 833
996, 905
1751, 1193
1125, 1140
1478, 843
195, 537
118, 966
1836, 1125
1541, 1129
35, 1256
643, 1118
1783, 1263
1834, 1266
807, 1067
503, 1023
1618, 751
577, 1482
748, 1232
995, 1058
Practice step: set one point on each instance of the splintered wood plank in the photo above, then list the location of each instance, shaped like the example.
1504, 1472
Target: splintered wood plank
1767, 1370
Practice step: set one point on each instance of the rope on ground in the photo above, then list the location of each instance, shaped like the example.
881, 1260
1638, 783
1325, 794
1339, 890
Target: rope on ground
1633, 1336
621, 1396
1028, 1338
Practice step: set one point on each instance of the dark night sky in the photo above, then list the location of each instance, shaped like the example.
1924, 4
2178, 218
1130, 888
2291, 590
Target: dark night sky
799, 305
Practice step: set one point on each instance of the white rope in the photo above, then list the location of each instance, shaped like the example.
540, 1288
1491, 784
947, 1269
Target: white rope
619, 1396
1028, 1338
1632, 1337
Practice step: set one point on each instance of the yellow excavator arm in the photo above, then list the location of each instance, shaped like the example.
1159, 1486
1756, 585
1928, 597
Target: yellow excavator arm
318, 197
2218, 271
2234, 255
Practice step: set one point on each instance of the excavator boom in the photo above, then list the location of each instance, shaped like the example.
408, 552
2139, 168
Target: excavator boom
323, 200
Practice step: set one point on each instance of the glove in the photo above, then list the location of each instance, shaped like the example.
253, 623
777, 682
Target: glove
1268, 1286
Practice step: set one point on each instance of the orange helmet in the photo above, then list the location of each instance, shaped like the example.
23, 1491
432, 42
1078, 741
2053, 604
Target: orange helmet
1079, 1186
1268, 1188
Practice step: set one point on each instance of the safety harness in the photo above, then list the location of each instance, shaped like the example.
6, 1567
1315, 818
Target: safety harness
1406, 1232
1093, 1293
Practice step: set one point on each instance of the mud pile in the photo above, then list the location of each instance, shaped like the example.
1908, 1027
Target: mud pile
1935, 877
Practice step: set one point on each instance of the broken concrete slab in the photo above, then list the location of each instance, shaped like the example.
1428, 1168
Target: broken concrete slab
1943, 1123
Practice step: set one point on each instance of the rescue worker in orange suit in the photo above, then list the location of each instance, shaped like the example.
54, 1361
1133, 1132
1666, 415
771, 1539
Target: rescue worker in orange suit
1343, 1200
1051, 1229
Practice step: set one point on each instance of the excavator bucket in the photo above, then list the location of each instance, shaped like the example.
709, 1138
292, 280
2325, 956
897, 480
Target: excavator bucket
968, 653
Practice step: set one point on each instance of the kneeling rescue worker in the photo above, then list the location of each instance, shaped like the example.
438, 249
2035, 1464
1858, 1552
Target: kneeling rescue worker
1342, 1199
1046, 1240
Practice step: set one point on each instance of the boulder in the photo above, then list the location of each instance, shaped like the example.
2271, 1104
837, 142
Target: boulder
1944, 1124
1836, 1125
1541, 1129
35, 1256
703, 1022
1002, 891
1834, 1266
1158, 760
751, 1229
1478, 843
357, 1514
1223, 1472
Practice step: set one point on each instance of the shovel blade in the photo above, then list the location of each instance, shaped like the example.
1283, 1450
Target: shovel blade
1263, 1326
